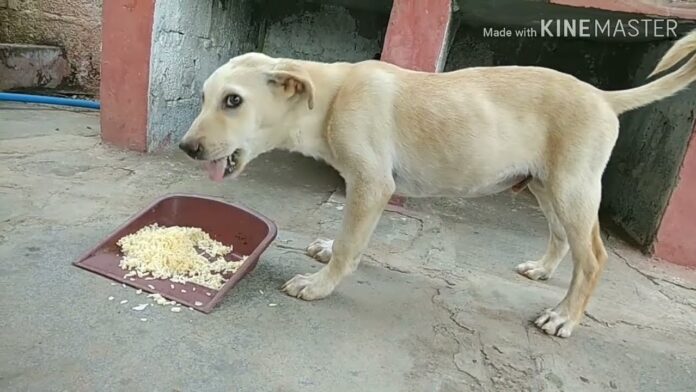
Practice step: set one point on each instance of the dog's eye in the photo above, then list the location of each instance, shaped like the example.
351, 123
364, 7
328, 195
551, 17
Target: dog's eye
232, 101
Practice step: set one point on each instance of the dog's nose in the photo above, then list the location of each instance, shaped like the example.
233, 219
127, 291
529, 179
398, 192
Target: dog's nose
193, 149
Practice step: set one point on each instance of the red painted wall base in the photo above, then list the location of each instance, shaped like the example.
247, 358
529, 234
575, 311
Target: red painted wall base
676, 237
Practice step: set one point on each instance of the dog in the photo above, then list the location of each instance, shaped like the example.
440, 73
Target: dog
466, 133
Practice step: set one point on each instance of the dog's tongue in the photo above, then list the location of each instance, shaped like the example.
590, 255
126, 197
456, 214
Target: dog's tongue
216, 169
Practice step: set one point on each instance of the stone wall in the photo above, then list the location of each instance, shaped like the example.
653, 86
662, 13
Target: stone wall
322, 32
74, 25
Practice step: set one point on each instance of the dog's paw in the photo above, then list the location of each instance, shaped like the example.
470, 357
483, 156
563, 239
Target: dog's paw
309, 287
556, 323
533, 270
320, 249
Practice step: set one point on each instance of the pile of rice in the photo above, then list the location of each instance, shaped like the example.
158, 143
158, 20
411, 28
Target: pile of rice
178, 254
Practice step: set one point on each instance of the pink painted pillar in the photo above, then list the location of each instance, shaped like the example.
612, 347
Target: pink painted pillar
676, 236
417, 34
416, 39
125, 72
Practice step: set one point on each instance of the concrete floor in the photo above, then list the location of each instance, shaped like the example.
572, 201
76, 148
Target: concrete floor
435, 305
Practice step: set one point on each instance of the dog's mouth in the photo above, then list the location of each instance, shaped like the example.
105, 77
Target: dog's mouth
231, 165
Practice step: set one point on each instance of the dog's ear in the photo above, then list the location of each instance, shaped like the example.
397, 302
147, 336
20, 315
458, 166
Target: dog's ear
292, 83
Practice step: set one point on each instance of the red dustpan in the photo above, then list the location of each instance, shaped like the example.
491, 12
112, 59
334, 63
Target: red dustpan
249, 233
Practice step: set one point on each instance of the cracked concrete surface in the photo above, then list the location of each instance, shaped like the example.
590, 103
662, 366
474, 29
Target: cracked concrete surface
435, 305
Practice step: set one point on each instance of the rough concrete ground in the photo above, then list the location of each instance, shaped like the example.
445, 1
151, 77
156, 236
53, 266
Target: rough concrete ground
435, 305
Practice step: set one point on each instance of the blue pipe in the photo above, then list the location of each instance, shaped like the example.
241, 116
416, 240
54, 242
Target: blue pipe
80, 103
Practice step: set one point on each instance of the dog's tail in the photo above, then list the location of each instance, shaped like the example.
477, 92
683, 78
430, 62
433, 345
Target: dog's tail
625, 100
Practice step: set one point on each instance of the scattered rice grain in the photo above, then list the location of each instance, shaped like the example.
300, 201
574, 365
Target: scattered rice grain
160, 300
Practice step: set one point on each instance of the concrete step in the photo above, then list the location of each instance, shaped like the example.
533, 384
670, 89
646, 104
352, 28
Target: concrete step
31, 66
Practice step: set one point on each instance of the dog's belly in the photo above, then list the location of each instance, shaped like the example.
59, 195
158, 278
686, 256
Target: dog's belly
408, 184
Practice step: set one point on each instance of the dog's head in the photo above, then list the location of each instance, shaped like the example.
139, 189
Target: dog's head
245, 106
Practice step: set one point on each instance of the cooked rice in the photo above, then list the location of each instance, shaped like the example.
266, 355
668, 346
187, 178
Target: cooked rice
177, 253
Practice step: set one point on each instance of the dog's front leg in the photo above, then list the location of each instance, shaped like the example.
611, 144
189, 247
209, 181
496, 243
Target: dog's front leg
366, 198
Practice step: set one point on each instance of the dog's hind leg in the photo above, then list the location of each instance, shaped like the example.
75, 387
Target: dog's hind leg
366, 197
577, 207
558, 242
